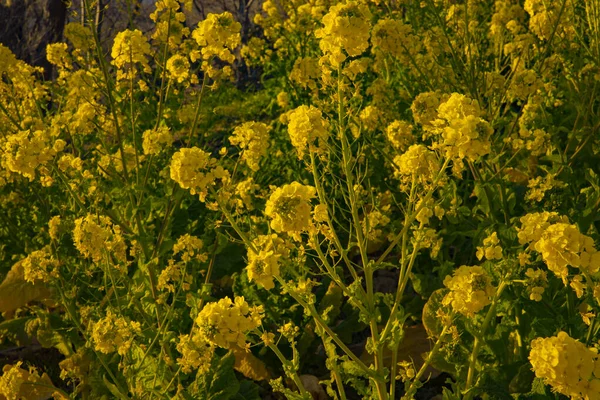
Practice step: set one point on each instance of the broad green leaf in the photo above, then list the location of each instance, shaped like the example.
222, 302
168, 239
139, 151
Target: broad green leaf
15, 291
248, 391
219, 383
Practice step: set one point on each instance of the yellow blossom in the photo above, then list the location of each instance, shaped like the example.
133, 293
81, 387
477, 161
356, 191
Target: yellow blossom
113, 333
346, 29
289, 208
225, 323
567, 365
156, 140
306, 127
470, 290
253, 139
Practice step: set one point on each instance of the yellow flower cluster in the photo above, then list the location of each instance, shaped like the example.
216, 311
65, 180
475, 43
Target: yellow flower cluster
370, 117
196, 353
400, 135
263, 264
131, 47
561, 244
538, 187
225, 323
533, 226
26, 151
17, 383
194, 169
96, 237
418, 163
307, 126
396, 38
253, 138
40, 265
178, 67
156, 140
544, 18
113, 333
56, 54
567, 365
289, 208
189, 246
305, 72
470, 290
218, 35
464, 134
346, 28
490, 250
169, 24
536, 283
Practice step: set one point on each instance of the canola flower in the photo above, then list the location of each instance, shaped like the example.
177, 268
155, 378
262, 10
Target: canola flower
308, 129
196, 353
96, 237
567, 365
194, 169
253, 139
264, 263
217, 35
345, 32
470, 290
289, 208
113, 333
130, 48
225, 323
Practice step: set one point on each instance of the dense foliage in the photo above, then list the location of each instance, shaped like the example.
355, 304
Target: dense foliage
178, 231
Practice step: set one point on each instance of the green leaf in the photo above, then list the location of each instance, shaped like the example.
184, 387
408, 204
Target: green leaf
149, 372
219, 383
248, 391
522, 381
15, 291
14, 330
431, 321
114, 389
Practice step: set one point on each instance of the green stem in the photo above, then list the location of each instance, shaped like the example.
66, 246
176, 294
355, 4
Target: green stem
479, 338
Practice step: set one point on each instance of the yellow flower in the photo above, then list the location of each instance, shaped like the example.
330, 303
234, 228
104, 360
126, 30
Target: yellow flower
40, 266
130, 47
400, 135
19, 384
25, 151
371, 117
156, 140
419, 163
94, 236
263, 264
253, 139
218, 35
225, 323
113, 333
307, 126
196, 353
178, 67
567, 365
346, 28
536, 283
189, 246
289, 208
470, 290
56, 54
305, 72
490, 249
462, 132
194, 169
